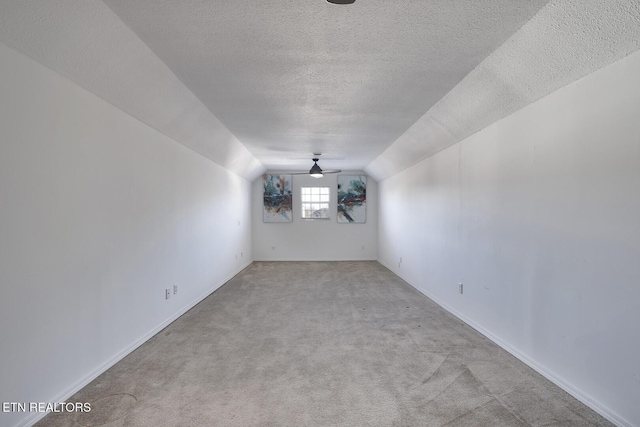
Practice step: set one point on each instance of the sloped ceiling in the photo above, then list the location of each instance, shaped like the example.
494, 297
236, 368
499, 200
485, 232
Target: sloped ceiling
378, 85
564, 42
289, 78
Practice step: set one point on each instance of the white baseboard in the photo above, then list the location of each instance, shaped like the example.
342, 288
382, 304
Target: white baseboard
77, 386
557, 380
554, 378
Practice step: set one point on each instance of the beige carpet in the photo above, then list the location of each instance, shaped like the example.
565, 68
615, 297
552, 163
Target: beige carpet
321, 344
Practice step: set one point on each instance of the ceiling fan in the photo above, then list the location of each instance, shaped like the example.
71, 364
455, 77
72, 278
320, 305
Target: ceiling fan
316, 171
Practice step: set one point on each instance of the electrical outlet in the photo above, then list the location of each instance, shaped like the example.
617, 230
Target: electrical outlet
273, 248
241, 254
460, 287
363, 247
175, 289
167, 293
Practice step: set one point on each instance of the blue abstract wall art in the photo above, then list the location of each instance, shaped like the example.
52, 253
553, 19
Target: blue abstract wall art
277, 198
352, 198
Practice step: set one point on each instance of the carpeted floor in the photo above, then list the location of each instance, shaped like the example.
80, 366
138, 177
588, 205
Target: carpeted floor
321, 344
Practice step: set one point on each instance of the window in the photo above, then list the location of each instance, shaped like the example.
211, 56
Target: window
315, 202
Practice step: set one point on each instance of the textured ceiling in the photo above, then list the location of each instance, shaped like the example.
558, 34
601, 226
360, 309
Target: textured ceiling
86, 42
564, 42
290, 77
379, 84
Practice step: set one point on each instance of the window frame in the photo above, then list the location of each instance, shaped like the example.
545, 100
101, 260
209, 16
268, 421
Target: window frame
315, 199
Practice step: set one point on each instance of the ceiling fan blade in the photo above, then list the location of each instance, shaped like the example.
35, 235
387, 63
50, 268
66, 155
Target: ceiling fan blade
315, 168
307, 172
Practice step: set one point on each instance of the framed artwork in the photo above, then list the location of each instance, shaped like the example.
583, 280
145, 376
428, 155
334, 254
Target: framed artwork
277, 205
352, 198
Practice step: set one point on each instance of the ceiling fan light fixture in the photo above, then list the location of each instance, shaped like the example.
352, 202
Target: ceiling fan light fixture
315, 170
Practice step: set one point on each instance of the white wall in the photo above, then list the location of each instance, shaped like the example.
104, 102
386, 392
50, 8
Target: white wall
539, 216
315, 240
98, 215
